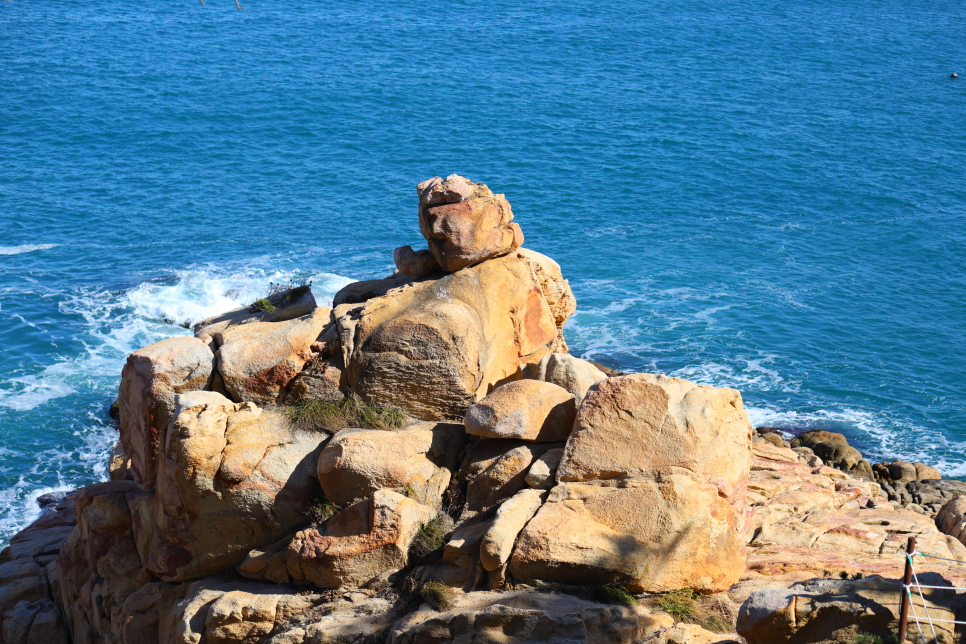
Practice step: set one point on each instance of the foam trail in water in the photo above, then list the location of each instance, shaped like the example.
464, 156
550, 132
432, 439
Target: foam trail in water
26, 248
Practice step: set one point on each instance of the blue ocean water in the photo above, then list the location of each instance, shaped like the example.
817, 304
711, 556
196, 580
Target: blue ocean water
766, 195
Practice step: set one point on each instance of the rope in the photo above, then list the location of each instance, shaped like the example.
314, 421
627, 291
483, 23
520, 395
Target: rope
939, 587
923, 554
925, 608
915, 616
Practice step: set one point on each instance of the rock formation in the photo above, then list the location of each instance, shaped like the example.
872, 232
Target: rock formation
523, 495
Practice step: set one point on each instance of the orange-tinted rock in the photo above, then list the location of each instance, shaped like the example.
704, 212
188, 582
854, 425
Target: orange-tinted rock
150, 380
433, 347
464, 222
530, 410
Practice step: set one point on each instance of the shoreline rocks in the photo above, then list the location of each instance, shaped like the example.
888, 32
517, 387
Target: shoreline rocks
425, 461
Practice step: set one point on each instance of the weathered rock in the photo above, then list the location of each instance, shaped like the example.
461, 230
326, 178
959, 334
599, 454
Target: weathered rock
773, 438
119, 463
232, 476
902, 471
530, 410
320, 379
926, 472
951, 519
834, 450
461, 557
651, 493
419, 459
822, 522
417, 263
150, 380
513, 514
139, 619
660, 534
433, 347
300, 303
516, 617
258, 360
367, 539
543, 472
636, 425
98, 567
37, 622
496, 471
564, 370
464, 222
827, 611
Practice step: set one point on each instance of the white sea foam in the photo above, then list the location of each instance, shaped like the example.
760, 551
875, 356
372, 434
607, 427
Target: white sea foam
26, 248
119, 322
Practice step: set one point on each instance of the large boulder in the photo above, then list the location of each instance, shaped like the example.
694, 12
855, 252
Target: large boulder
150, 380
257, 361
419, 459
567, 371
368, 539
651, 493
530, 410
834, 450
951, 519
464, 222
832, 611
232, 476
434, 346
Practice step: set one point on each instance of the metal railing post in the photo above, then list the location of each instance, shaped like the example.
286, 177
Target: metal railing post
906, 582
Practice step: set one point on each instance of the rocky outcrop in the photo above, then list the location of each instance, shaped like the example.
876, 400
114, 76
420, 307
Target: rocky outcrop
150, 380
651, 490
464, 223
834, 611
530, 410
418, 460
433, 347
554, 476
820, 522
834, 450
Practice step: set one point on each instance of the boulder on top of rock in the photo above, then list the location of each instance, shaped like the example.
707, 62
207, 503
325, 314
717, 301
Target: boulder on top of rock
564, 370
530, 410
232, 476
288, 305
652, 490
543, 472
433, 347
150, 380
258, 360
464, 222
419, 459
513, 514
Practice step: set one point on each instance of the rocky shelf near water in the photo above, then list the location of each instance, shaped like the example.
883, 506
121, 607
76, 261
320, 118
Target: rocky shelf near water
425, 462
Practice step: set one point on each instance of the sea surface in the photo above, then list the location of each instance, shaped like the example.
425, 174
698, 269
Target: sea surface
761, 195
